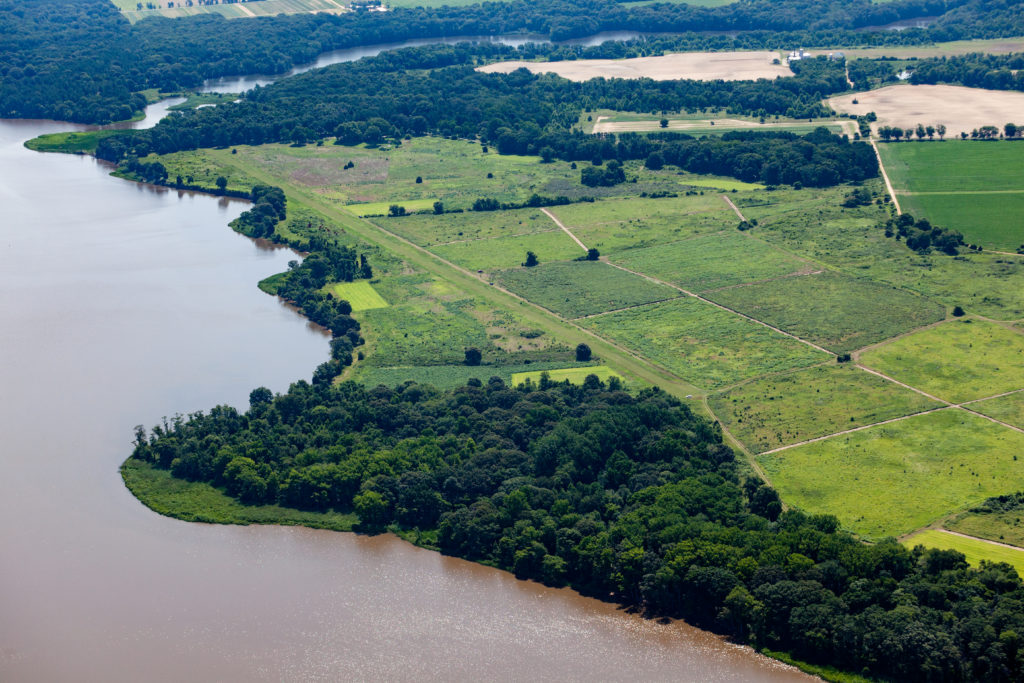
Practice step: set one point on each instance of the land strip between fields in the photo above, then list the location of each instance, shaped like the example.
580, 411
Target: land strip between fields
885, 177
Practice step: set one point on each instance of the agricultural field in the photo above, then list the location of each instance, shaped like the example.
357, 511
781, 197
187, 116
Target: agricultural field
1008, 409
573, 375
787, 408
960, 360
976, 187
700, 123
1002, 527
891, 479
836, 311
616, 224
582, 288
446, 376
702, 343
706, 66
713, 261
429, 229
239, 10
958, 108
360, 294
976, 551
502, 253
994, 46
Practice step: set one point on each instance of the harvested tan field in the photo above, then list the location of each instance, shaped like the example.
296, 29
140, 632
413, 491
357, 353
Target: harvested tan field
701, 66
956, 107
994, 46
696, 124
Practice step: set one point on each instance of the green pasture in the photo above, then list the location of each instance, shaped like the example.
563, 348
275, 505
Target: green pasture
976, 551
446, 376
573, 375
231, 11
961, 360
204, 167
382, 208
1002, 527
791, 407
836, 311
702, 343
578, 288
711, 261
616, 224
1008, 409
976, 187
429, 229
509, 252
891, 479
69, 143
360, 294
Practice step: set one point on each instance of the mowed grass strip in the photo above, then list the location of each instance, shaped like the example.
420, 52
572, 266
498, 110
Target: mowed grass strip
958, 361
836, 311
975, 550
573, 375
807, 404
712, 261
1008, 409
616, 224
580, 288
702, 343
360, 294
509, 252
891, 479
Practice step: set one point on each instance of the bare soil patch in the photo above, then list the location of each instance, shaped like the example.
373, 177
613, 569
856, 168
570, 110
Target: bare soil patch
956, 107
701, 66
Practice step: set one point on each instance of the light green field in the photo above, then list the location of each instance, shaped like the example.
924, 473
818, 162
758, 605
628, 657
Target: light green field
447, 376
381, 208
360, 294
579, 288
976, 551
981, 185
711, 261
727, 184
958, 361
789, 408
703, 344
892, 479
231, 11
1008, 409
616, 224
573, 375
838, 312
509, 252
1006, 526
429, 229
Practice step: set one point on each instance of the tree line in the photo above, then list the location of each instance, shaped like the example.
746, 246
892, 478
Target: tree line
629, 497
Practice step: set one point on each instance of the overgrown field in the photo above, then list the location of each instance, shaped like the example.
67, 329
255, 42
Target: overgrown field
894, 478
791, 407
1002, 527
958, 361
1009, 409
976, 551
976, 187
573, 375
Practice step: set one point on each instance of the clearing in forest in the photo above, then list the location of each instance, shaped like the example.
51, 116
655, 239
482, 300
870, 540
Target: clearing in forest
573, 375
360, 294
700, 66
975, 550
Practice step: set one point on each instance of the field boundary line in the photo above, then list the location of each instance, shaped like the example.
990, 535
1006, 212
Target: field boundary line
733, 207
855, 355
567, 231
974, 538
902, 384
246, 10
990, 419
989, 398
885, 177
718, 305
857, 429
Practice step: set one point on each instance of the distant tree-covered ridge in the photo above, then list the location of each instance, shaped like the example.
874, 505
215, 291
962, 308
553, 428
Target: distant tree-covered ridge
80, 60
619, 495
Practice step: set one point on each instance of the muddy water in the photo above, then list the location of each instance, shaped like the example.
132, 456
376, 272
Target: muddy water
122, 303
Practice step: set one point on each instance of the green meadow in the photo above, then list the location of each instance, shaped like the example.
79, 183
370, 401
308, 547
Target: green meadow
573, 375
360, 294
1008, 409
976, 551
1001, 527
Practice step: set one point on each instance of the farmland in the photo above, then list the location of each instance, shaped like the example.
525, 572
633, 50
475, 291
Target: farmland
974, 187
573, 375
252, 8
1004, 526
891, 479
1008, 409
360, 294
976, 551
956, 361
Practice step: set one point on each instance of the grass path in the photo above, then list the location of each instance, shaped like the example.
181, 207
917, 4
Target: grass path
564, 229
885, 177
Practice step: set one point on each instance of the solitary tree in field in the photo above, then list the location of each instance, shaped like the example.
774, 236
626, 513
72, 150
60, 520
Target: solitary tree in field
663, 123
593, 254
583, 353
473, 356
531, 260
958, 311
438, 208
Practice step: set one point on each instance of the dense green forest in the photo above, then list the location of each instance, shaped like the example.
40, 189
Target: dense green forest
81, 61
616, 494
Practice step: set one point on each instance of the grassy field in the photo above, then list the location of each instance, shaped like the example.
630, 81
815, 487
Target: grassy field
1009, 409
69, 143
793, 407
958, 361
976, 551
579, 288
1002, 527
971, 186
446, 376
617, 224
892, 479
200, 502
711, 261
509, 252
360, 294
381, 208
573, 375
429, 229
703, 344
250, 8
836, 311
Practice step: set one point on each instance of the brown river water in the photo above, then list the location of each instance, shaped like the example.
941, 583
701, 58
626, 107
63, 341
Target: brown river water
122, 303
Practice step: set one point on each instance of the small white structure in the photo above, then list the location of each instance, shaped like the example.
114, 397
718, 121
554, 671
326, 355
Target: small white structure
797, 55
836, 55
904, 75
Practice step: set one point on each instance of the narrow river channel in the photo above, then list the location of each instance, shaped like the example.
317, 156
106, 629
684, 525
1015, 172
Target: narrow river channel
123, 303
